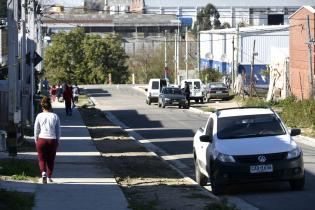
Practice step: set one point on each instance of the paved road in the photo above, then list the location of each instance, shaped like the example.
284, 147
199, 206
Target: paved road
172, 129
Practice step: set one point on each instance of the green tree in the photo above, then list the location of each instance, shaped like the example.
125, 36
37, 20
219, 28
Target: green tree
210, 75
85, 59
207, 18
64, 57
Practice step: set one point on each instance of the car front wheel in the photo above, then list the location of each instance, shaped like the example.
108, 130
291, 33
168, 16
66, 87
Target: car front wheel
201, 179
163, 104
217, 189
297, 184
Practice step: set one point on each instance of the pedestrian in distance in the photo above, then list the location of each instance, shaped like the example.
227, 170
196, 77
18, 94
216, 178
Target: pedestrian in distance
187, 93
59, 93
53, 92
46, 136
68, 98
75, 93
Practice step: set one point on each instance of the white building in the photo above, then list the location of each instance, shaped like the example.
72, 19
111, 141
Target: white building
216, 48
250, 12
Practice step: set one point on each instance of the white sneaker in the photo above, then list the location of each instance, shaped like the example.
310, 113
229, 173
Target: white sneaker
44, 178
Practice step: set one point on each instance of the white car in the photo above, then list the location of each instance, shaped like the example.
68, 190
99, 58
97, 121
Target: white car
247, 145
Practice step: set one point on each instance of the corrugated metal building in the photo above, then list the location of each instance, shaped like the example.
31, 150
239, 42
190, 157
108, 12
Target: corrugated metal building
216, 49
267, 12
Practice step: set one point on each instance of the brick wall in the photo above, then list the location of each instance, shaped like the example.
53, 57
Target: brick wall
299, 64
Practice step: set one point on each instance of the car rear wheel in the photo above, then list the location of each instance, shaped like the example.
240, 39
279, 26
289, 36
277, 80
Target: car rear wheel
201, 179
149, 101
159, 104
297, 184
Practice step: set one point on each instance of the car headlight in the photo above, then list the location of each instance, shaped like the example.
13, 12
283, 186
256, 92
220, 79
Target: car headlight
224, 158
294, 153
167, 99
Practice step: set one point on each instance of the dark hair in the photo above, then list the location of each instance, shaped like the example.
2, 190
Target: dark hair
45, 103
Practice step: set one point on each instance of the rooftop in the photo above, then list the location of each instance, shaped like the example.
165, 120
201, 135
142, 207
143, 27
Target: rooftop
111, 19
228, 3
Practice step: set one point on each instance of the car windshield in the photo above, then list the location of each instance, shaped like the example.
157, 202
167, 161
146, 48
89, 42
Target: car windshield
172, 91
216, 85
249, 126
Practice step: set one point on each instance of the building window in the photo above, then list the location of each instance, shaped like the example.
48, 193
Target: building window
275, 19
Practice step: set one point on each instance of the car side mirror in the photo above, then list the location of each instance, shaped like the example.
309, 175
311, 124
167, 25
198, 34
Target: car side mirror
146, 89
205, 138
295, 132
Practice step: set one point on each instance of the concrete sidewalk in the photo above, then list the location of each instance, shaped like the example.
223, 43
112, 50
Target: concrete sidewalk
80, 179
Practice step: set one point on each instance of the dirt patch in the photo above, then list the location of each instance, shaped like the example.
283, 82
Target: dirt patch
148, 182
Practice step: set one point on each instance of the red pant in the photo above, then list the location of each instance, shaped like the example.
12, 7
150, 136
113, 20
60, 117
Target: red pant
46, 149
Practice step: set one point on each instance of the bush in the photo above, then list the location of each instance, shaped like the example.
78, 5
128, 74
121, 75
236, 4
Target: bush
299, 113
295, 113
211, 75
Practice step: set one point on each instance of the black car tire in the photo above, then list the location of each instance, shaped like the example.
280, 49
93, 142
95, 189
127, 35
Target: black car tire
217, 189
163, 104
179, 106
149, 101
201, 100
201, 179
297, 184
159, 104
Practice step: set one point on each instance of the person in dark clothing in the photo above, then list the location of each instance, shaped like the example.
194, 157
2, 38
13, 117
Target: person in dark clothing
187, 93
68, 98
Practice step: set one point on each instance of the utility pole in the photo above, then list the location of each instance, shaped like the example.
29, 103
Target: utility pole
177, 54
186, 52
175, 59
310, 60
31, 50
24, 99
236, 86
198, 50
252, 86
233, 64
165, 55
14, 114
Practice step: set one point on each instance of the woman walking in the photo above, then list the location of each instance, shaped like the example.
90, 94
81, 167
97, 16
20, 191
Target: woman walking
46, 135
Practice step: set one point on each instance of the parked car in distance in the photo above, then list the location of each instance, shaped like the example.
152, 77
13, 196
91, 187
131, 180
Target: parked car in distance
240, 145
172, 96
216, 90
154, 89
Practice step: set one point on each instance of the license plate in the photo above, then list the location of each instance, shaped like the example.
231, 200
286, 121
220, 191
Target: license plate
261, 168
219, 91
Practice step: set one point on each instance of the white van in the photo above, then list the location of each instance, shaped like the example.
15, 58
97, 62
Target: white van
196, 89
154, 89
